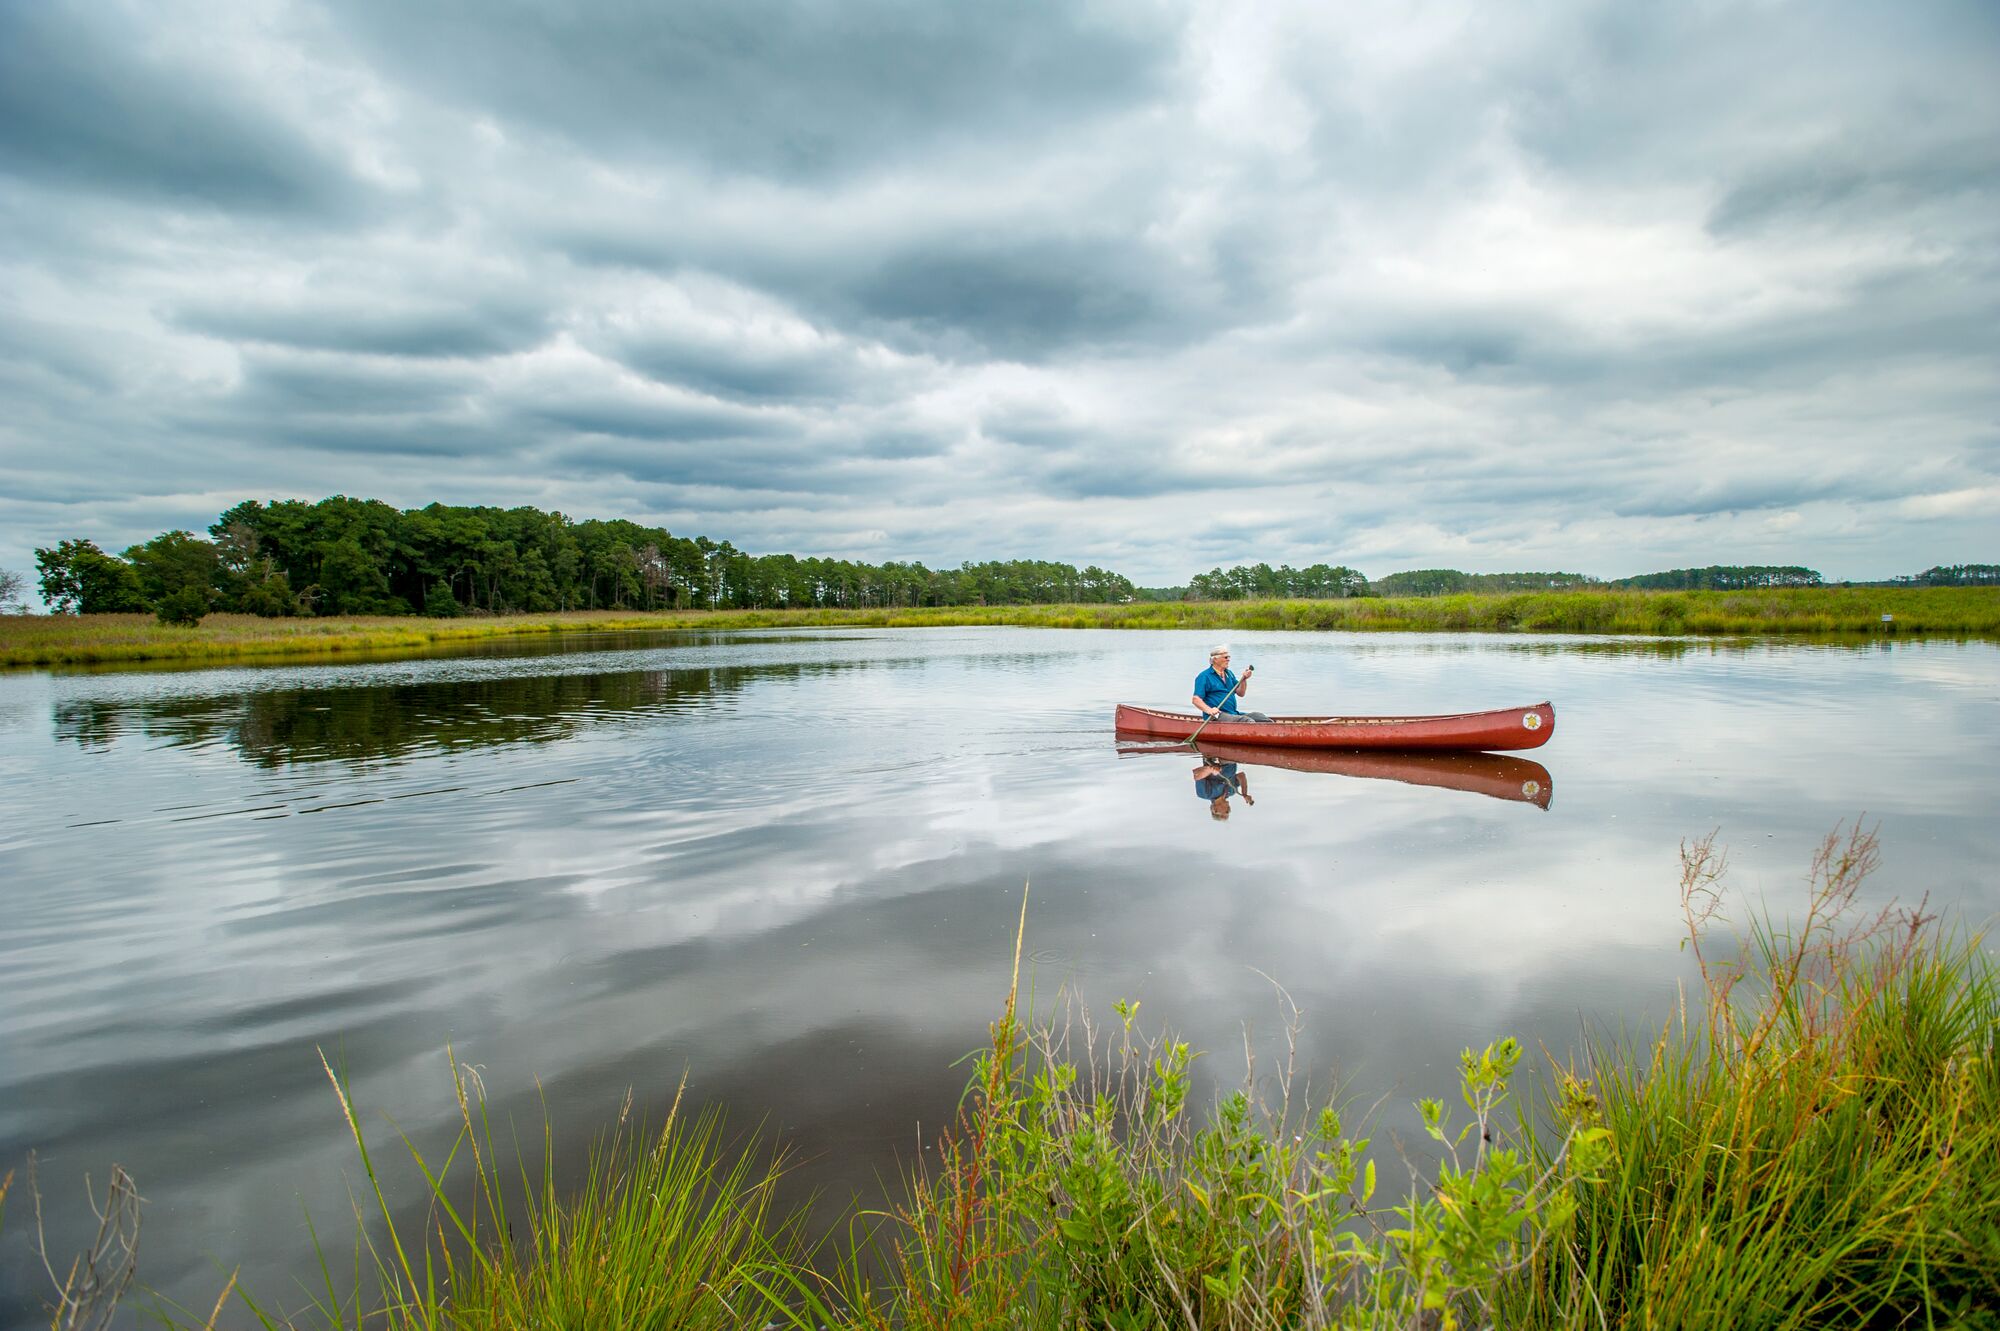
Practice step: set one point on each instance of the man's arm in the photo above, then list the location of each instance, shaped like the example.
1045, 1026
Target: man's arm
1243, 684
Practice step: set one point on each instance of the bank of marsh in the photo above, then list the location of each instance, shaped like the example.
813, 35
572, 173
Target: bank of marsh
1848, 612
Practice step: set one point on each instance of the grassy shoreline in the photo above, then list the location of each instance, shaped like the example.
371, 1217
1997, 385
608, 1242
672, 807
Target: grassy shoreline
57, 640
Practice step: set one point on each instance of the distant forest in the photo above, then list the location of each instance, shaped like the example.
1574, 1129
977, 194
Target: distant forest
345, 556
1254, 581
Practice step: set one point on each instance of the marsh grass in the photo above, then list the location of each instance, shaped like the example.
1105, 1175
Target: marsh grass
1849, 612
669, 1227
1813, 1142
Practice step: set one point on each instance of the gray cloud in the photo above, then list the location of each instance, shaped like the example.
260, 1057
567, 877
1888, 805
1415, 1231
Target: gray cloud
1858, 180
787, 89
1154, 286
467, 327
1019, 299
675, 420
83, 108
315, 384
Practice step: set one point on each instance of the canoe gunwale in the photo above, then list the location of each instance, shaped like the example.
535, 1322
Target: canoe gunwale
1504, 729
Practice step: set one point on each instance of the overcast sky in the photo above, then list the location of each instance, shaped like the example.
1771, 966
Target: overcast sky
1597, 287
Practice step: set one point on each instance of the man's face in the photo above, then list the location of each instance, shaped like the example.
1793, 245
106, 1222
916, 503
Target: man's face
1220, 661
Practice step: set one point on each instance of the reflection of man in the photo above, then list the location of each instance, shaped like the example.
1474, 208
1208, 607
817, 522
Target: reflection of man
1216, 782
1217, 688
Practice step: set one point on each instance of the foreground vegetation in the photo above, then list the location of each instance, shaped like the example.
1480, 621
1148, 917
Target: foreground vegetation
32, 640
1813, 1140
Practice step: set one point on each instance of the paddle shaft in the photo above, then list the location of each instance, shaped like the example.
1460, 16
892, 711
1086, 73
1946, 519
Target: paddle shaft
1247, 672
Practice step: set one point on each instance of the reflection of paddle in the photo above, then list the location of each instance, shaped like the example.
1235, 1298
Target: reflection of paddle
1247, 672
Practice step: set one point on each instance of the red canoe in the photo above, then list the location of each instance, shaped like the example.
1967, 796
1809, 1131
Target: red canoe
1515, 728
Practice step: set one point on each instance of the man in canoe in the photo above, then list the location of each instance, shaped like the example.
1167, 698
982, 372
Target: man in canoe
1217, 688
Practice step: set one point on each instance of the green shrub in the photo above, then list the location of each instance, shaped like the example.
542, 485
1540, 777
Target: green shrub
1079, 1189
185, 607
439, 603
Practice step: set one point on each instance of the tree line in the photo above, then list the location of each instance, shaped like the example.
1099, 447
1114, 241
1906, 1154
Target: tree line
1956, 575
1724, 577
1256, 581
1249, 582
343, 556
1445, 581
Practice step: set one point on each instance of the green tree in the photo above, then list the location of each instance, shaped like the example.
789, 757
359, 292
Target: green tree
250, 579
439, 603
351, 581
177, 565
77, 578
185, 607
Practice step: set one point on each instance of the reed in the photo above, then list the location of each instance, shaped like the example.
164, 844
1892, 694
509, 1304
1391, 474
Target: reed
673, 1227
1816, 1143
1849, 613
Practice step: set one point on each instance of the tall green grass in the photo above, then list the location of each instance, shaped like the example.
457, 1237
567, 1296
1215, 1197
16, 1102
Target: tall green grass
1851, 612
1815, 1144
673, 1227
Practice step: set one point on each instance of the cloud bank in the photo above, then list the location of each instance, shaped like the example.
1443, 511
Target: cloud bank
1154, 286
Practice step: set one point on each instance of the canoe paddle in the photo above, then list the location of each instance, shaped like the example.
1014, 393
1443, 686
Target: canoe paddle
1247, 672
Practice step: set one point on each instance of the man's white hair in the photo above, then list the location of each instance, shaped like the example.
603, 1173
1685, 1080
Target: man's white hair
1220, 649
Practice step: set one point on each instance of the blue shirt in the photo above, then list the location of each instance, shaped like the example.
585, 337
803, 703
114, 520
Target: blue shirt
1217, 690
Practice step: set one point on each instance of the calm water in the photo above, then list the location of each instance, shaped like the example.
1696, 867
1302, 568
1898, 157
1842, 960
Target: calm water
790, 865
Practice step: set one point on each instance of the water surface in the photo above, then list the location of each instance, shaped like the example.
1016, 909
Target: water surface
789, 865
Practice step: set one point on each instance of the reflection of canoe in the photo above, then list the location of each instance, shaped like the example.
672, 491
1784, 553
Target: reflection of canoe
1494, 774
1515, 728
